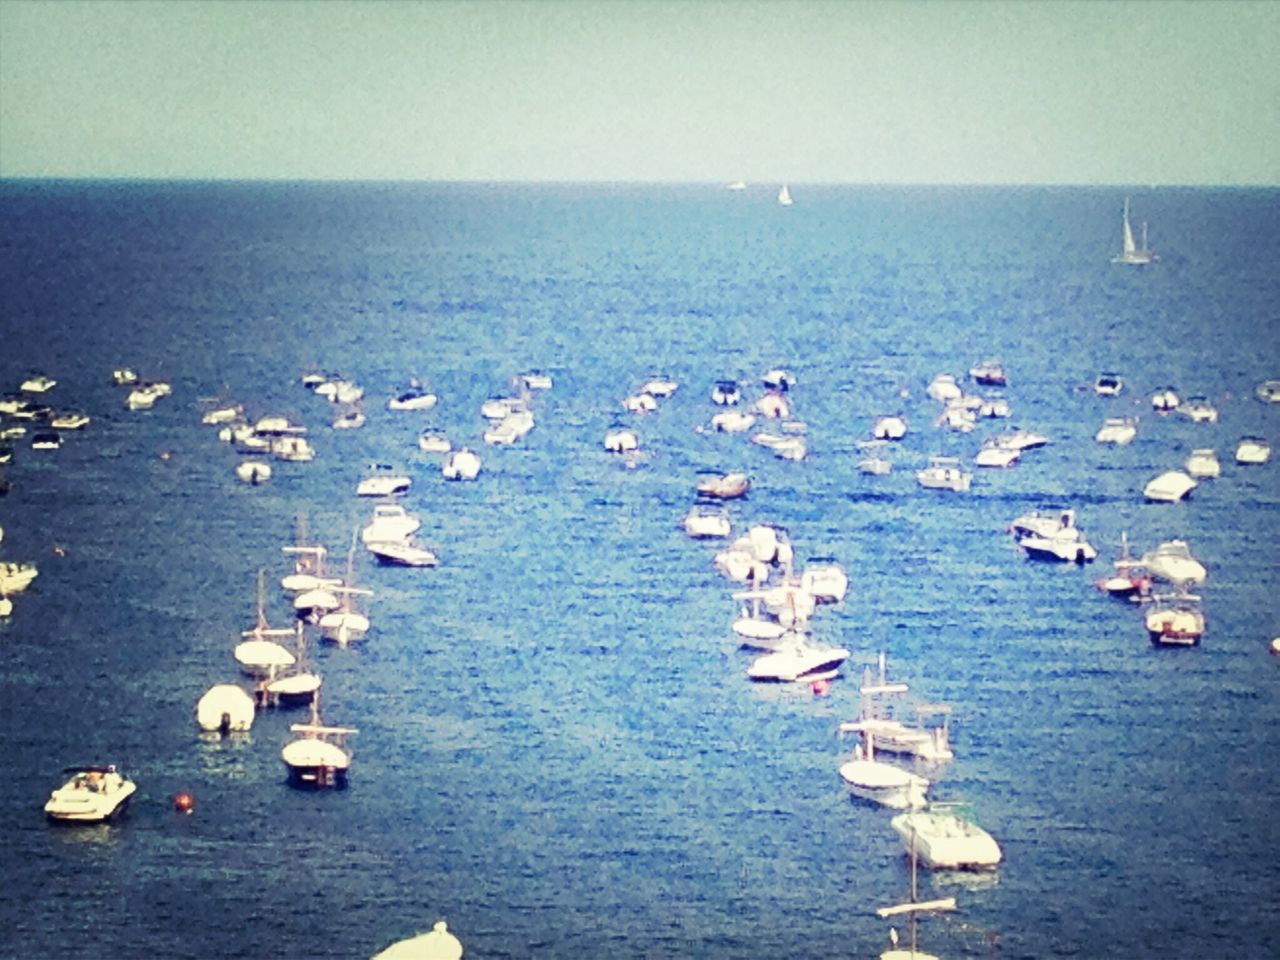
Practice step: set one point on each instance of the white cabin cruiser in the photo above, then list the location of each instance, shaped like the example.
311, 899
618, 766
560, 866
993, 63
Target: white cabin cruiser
218, 416
1268, 391
294, 449
1108, 385
430, 441
1253, 450
1118, 431
417, 397
1173, 561
253, 472
943, 839
350, 419
1165, 399
726, 486
732, 421
1019, 440
1043, 523
1170, 487
402, 554
944, 388
875, 466
881, 782
534, 381
1198, 410
991, 456
1066, 545
659, 387
891, 426
1202, 464
461, 464
224, 709
92, 795
391, 523
826, 581
798, 661
621, 441
70, 420
944, 473
989, 373
509, 429
640, 403
725, 393
773, 406
383, 482
38, 383
778, 379
705, 522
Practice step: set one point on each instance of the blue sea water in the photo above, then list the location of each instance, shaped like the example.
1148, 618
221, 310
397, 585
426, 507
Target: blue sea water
559, 751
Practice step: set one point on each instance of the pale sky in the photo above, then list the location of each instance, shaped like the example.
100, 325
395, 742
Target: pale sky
859, 92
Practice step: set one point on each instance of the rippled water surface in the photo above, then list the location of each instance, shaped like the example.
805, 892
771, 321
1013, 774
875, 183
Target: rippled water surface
558, 749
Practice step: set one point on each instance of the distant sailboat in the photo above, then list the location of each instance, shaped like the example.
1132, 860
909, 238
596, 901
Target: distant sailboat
1133, 254
784, 196
737, 185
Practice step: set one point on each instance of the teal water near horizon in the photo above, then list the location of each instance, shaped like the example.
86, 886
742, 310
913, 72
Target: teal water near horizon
559, 751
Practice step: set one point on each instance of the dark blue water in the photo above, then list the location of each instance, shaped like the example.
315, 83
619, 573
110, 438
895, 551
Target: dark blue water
559, 751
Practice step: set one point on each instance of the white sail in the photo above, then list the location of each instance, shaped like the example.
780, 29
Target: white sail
1130, 248
1132, 253
784, 196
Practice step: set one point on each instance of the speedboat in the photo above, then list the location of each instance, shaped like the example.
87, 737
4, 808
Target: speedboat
995, 407
318, 757
253, 472
826, 582
732, 421
942, 839
799, 661
891, 426
725, 393
1173, 561
222, 415
391, 523
535, 381
943, 388
224, 709
1165, 399
417, 397
141, 398
71, 420
93, 794
437, 944
989, 373
944, 473
621, 441
875, 466
45, 440
1199, 410
998, 457
740, 565
791, 448
123, 376
1019, 440
1253, 450
16, 577
1117, 430
703, 523
1268, 391
659, 387
778, 379
431, 442
350, 419
1108, 385
881, 782
1043, 523
1203, 464
498, 408
402, 554
1066, 545
294, 449
959, 417
1170, 487
38, 383
640, 403
382, 482
274, 425
1176, 620
726, 486
461, 464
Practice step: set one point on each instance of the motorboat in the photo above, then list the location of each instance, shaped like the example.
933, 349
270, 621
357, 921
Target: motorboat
6, 606
959, 417
218, 416
1198, 410
416, 397
352, 418
1173, 561
892, 426
944, 839
402, 554
1117, 431
38, 383
1268, 391
875, 466
732, 421
1131, 253
944, 473
1202, 464
318, 756
509, 429
123, 376
1175, 620
989, 373
382, 481
995, 407
1067, 545
1170, 487
70, 420
725, 393
880, 782
931, 744
93, 794
437, 944
253, 472
640, 403
621, 441
659, 387
778, 379
429, 441
1108, 385
991, 456
1043, 523
704, 523
799, 661
1253, 450
1019, 440
391, 523
461, 464
534, 381
726, 486
773, 406
45, 440
224, 709
295, 449
499, 408
1165, 399
944, 388
826, 581
141, 398
16, 577
740, 565
274, 425
791, 448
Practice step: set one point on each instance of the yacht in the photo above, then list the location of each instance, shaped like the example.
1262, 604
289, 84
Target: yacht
1198, 410
224, 709
1170, 487
460, 464
798, 661
989, 373
382, 481
509, 429
274, 425
703, 523
416, 397
16, 577
318, 756
499, 408
294, 449
825, 581
875, 466
882, 782
890, 427
1108, 385
71, 420
38, 383
1019, 440
1173, 561
727, 486
1165, 400
1067, 545
402, 554
997, 457
93, 794
218, 416
350, 419
943, 839
534, 381
1175, 620
621, 441
437, 944
791, 448
1203, 464
45, 440
391, 523
1130, 253
1117, 430
944, 473
1043, 523
1253, 450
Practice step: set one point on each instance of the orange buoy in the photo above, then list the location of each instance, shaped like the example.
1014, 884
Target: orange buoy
821, 687
184, 803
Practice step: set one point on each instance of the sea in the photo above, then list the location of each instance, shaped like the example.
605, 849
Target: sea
559, 752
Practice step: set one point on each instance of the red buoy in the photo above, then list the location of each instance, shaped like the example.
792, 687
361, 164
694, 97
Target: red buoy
821, 687
184, 803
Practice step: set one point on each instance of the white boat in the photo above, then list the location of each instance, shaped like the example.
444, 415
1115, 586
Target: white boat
1018, 440
509, 429
92, 795
1165, 399
1268, 391
274, 425
732, 421
1131, 253
45, 440
383, 482
735, 186
1043, 523
142, 398
1173, 561
772, 406
318, 757
497, 408
224, 709
391, 523
1202, 464
1117, 430
16, 577
931, 744
659, 387
825, 581
875, 466
294, 449
798, 661
784, 196
958, 416
1065, 545
429, 441
1170, 487
260, 657
123, 376
993, 457
534, 381
436, 944
881, 782
778, 379
993, 407
621, 441
297, 684
1108, 385
1198, 410
309, 568
1175, 620
944, 388
350, 419
989, 373
756, 627
253, 472
943, 839
640, 403
6, 606
944, 473
416, 397
71, 420
461, 464
891, 426
724, 486
346, 623
218, 416
1253, 450
402, 554
725, 393
705, 523
38, 383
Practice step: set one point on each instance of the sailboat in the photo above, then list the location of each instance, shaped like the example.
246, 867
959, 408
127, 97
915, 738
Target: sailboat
784, 196
912, 908
1133, 254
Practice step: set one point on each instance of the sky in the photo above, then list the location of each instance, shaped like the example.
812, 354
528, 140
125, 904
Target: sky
849, 92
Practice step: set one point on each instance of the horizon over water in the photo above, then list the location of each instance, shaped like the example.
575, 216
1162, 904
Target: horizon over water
559, 752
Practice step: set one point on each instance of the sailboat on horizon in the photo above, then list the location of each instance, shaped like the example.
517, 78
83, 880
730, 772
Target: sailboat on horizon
1133, 254
784, 196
